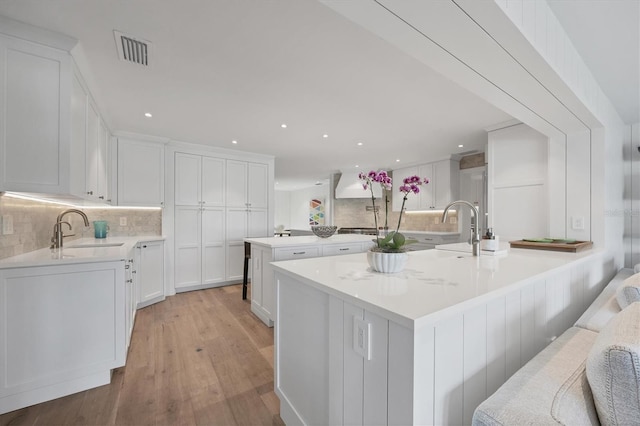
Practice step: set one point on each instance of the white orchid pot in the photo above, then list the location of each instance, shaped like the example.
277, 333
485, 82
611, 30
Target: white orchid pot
387, 263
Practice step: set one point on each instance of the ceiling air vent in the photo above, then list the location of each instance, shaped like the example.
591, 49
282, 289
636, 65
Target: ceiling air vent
132, 49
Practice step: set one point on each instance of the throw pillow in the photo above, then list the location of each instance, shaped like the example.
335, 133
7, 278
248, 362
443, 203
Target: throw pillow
613, 369
629, 291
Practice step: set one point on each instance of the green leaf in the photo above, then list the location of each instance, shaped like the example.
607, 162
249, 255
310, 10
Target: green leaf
398, 239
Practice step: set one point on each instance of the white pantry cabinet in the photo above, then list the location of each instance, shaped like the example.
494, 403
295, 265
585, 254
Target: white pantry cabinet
443, 186
149, 277
63, 330
199, 221
247, 195
140, 173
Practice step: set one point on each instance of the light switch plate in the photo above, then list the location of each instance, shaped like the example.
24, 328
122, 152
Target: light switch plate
361, 338
577, 223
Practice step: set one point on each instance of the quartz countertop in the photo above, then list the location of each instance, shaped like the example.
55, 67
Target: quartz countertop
434, 284
70, 254
310, 240
428, 232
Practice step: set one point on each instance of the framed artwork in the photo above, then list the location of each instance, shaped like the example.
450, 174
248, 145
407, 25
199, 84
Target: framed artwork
316, 212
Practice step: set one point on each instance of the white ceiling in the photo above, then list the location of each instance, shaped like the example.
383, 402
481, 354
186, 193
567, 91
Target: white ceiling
228, 70
606, 33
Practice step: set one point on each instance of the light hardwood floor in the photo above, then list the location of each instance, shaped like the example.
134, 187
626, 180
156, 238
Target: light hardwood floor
198, 358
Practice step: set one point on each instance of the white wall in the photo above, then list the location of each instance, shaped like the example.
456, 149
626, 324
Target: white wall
632, 196
298, 205
518, 187
282, 209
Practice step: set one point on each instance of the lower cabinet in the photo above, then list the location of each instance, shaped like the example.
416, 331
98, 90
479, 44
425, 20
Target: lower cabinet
63, 330
427, 241
149, 272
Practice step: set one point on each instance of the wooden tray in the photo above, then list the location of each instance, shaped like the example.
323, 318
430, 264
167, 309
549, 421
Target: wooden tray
565, 247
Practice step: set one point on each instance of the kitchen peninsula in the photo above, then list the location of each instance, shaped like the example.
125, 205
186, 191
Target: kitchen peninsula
424, 346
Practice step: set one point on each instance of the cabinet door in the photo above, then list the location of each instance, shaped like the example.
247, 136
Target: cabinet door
236, 231
258, 185
35, 93
213, 181
93, 128
398, 176
187, 246
236, 184
187, 179
257, 225
213, 249
101, 160
79, 103
447, 182
140, 173
150, 273
427, 192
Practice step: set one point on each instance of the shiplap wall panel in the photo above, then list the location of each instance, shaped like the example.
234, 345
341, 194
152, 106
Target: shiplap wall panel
513, 333
401, 383
540, 323
353, 369
375, 372
448, 375
336, 360
496, 344
475, 360
424, 389
527, 323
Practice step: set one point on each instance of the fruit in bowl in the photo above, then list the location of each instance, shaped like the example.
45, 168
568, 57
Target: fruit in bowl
323, 231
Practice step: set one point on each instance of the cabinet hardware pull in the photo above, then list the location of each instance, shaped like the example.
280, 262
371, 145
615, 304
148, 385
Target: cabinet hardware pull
299, 252
109, 200
144, 246
127, 266
130, 281
344, 249
101, 197
90, 193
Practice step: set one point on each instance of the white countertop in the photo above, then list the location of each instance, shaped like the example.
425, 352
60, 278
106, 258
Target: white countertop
310, 240
434, 284
69, 255
429, 233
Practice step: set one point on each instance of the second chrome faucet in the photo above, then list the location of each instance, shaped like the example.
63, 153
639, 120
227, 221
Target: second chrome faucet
58, 234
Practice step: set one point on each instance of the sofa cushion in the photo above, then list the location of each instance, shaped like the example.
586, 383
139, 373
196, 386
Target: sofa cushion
605, 307
613, 369
636, 268
550, 389
629, 291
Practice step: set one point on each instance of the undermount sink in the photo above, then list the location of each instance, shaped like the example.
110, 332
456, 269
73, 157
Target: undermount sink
94, 245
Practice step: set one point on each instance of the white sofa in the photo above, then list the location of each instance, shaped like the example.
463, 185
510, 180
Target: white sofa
590, 375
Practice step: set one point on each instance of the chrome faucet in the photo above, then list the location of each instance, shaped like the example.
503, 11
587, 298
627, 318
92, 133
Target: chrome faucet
475, 237
58, 235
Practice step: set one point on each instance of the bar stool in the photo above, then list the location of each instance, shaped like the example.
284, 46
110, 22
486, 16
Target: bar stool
247, 257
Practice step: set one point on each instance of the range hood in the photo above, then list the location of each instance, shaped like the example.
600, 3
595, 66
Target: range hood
350, 186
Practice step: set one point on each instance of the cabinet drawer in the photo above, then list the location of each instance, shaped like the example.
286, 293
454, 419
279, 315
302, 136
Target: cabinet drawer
296, 253
338, 249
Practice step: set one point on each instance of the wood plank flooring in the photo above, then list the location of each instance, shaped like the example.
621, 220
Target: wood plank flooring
198, 358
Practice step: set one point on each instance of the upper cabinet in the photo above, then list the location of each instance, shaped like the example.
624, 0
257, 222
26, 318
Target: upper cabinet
199, 180
442, 189
247, 184
54, 140
140, 173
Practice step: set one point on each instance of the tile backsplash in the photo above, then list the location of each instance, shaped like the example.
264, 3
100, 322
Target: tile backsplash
351, 213
33, 223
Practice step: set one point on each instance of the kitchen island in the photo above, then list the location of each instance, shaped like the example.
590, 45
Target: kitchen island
266, 250
424, 346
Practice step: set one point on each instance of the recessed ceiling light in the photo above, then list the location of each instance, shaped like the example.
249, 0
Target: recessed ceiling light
359, 144
234, 142
284, 126
148, 114
325, 135
357, 166
397, 160
460, 146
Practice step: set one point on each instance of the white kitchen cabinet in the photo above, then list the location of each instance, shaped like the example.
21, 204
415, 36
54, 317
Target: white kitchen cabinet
63, 330
247, 184
149, 272
35, 117
199, 221
443, 186
130, 296
140, 173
